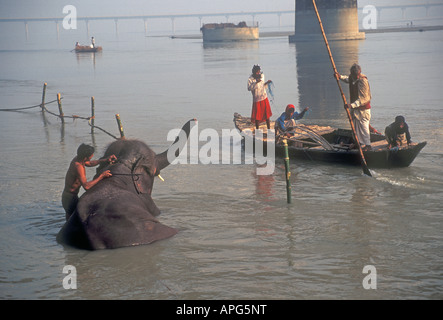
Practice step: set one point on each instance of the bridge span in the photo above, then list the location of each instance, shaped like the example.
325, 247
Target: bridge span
428, 6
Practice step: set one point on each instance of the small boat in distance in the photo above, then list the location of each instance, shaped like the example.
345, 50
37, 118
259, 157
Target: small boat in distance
332, 145
80, 48
87, 48
213, 32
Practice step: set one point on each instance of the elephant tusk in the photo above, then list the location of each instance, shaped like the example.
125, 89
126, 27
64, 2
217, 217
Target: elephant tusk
161, 178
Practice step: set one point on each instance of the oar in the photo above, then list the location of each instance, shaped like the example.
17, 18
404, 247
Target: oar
363, 161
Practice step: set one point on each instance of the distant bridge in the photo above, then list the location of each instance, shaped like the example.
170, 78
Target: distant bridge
145, 18
200, 16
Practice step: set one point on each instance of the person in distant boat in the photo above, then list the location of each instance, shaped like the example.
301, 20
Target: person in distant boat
92, 42
77, 44
397, 133
76, 176
286, 121
360, 106
261, 109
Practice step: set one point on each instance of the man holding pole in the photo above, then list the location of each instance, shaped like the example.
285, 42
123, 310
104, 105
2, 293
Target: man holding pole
360, 97
364, 165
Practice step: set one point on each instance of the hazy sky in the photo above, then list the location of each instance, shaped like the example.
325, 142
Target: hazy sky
50, 8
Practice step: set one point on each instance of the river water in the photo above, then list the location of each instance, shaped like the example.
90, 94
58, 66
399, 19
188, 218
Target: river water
238, 238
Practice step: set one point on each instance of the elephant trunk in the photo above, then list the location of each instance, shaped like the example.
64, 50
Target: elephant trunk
165, 158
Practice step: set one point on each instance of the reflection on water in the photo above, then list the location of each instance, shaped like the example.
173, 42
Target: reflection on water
265, 188
316, 84
236, 52
231, 45
88, 57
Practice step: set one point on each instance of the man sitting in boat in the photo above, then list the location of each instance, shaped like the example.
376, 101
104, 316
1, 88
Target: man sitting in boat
397, 133
286, 122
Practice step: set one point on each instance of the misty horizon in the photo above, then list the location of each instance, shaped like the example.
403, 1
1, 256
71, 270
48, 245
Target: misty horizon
54, 8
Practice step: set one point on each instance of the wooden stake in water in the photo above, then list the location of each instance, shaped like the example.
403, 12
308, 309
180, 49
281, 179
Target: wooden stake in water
92, 114
120, 127
60, 109
288, 173
43, 98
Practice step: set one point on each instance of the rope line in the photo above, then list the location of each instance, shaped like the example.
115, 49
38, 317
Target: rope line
74, 117
108, 133
70, 117
25, 108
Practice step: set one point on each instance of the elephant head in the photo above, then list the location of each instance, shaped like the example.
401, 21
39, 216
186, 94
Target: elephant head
119, 211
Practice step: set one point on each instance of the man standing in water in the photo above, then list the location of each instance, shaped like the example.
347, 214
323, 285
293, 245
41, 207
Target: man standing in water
360, 96
261, 109
76, 176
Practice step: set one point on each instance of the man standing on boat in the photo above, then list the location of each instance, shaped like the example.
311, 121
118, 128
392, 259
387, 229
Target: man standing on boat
360, 96
261, 109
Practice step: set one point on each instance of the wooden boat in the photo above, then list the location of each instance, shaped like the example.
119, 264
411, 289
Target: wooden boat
80, 48
333, 145
215, 32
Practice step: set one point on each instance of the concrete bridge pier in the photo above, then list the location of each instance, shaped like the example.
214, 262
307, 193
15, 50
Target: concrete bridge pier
116, 27
173, 25
57, 29
26, 30
87, 28
339, 19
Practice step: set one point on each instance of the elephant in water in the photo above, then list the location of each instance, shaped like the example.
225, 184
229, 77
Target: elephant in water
119, 211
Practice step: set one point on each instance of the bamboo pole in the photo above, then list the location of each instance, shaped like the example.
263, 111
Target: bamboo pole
43, 97
351, 122
288, 173
120, 127
92, 114
60, 109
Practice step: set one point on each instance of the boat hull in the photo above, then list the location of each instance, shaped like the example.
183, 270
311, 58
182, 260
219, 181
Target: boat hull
379, 157
394, 158
87, 49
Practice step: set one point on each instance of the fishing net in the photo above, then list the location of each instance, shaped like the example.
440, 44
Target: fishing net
270, 92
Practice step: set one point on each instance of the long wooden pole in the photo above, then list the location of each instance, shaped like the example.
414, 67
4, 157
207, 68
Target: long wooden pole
43, 98
60, 108
362, 156
92, 114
